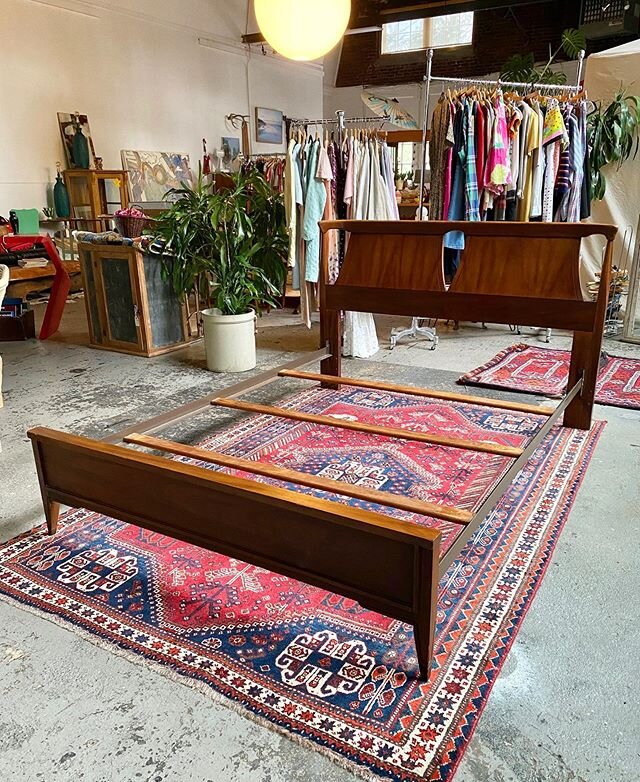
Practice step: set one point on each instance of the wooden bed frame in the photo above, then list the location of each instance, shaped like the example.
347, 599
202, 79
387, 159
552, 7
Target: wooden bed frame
510, 273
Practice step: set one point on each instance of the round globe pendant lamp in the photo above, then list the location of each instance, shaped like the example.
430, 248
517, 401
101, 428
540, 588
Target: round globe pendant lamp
303, 29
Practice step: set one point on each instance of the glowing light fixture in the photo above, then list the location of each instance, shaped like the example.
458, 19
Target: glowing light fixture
303, 29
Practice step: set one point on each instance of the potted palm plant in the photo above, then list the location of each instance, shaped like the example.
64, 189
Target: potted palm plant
228, 249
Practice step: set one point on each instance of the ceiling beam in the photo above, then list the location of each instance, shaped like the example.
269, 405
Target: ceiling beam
259, 37
401, 10
371, 21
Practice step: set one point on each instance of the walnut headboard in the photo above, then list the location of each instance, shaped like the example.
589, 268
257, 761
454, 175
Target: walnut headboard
510, 273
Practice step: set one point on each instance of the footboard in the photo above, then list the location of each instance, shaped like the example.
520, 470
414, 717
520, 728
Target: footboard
387, 565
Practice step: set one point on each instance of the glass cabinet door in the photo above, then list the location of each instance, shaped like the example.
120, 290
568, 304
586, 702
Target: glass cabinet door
112, 196
79, 187
120, 301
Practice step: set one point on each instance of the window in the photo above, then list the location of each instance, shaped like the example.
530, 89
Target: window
403, 36
404, 158
437, 32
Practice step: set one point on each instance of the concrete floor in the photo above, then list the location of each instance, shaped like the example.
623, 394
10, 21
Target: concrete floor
564, 708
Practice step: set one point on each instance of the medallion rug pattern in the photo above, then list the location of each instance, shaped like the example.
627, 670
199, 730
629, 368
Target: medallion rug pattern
546, 371
304, 661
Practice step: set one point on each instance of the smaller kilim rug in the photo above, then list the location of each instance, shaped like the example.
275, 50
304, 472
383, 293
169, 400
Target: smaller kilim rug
545, 371
308, 663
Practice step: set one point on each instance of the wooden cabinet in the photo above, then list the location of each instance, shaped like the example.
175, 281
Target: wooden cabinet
130, 307
93, 194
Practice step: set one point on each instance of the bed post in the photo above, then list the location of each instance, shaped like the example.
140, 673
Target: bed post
585, 354
427, 575
51, 507
330, 321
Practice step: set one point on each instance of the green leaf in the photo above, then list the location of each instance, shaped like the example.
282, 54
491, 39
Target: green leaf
612, 135
520, 67
231, 246
573, 42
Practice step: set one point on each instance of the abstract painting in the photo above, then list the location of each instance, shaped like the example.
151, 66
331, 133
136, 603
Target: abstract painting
153, 174
76, 139
231, 149
269, 126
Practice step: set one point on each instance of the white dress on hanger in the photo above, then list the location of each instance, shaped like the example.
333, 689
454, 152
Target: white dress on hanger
371, 199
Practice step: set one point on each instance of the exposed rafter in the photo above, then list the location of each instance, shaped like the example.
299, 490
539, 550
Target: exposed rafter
368, 15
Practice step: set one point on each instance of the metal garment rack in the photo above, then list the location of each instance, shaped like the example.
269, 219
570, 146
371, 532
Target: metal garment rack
416, 329
341, 121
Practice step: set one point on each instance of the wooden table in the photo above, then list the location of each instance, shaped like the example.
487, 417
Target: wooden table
24, 281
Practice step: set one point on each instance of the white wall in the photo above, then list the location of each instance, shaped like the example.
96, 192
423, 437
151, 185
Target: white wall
150, 75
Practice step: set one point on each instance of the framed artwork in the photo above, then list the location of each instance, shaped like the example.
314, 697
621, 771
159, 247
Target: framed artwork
269, 124
153, 174
231, 149
77, 141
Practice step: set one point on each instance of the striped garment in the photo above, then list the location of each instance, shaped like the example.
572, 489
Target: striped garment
471, 180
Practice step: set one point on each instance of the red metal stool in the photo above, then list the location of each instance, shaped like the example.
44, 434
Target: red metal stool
61, 284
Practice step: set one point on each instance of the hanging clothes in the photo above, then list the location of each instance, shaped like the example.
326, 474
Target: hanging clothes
326, 181
437, 153
292, 198
537, 176
554, 139
504, 157
368, 200
314, 203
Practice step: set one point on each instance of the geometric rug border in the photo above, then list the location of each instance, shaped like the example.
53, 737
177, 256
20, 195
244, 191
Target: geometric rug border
528, 600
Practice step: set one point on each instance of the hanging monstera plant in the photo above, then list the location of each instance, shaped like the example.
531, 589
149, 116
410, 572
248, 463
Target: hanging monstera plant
522, 67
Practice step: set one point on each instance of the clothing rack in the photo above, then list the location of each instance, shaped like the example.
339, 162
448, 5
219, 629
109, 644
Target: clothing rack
429, 77
416, 329
263, 154
341, 121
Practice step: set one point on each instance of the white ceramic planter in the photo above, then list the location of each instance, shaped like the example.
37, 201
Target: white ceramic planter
230, 341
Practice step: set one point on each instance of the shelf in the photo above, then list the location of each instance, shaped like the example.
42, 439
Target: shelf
18, 273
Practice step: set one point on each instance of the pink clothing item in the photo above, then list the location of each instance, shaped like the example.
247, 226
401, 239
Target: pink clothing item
349, 187
446, 198
497, 171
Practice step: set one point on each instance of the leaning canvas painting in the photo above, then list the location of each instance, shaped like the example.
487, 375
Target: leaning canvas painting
153, 174
76, 139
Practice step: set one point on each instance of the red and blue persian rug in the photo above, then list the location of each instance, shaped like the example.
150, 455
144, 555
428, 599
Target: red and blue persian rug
545, 371
308, 663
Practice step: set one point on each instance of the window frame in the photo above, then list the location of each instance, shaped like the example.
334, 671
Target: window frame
426, 36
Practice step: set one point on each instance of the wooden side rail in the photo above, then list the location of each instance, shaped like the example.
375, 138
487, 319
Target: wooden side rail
444, 512
481, 401
481, 446
387, 565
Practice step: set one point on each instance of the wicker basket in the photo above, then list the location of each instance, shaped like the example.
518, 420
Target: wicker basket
132, 227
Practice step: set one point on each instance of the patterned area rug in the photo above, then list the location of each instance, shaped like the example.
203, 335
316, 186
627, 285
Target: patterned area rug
305, 662
546, 371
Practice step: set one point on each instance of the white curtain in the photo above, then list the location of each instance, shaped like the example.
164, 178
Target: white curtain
606, 73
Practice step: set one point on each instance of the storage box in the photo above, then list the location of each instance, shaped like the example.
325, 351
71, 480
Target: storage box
15, 329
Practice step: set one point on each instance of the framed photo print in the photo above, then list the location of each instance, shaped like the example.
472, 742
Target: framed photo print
231, 149
269, 126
